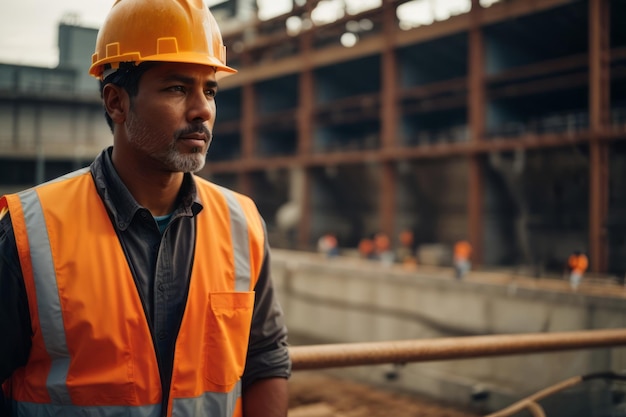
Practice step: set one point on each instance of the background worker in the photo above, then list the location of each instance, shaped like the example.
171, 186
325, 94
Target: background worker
328, 245
461, 258
134, 287
366, 248
577, 264
405, 253
382, 249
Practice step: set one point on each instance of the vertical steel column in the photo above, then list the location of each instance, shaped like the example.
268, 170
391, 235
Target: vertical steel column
476, 116
599, 108
389, 84
306, 112
387, 202
389, 119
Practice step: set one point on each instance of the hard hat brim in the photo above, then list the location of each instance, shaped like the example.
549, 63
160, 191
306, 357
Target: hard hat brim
97, 68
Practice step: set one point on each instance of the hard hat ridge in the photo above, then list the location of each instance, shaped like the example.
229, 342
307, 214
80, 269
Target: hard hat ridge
159, 30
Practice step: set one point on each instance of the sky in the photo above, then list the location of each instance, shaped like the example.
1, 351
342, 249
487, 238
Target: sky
28, 28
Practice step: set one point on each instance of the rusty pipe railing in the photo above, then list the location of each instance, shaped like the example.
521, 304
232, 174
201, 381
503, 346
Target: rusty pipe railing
424, 350
531, 402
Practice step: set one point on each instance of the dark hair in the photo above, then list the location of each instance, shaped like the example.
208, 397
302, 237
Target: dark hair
127, 76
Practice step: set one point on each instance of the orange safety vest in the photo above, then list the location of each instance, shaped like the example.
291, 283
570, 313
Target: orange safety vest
92, 351
462, 250
578, 263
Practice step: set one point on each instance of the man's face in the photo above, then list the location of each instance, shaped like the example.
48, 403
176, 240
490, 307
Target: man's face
171, 118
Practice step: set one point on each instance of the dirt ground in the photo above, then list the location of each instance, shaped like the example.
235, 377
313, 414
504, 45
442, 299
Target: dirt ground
314, 394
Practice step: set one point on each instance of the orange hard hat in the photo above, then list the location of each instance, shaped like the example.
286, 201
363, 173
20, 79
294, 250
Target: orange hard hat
159, 30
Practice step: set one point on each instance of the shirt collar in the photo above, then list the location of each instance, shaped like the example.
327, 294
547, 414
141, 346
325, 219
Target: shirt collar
122, 206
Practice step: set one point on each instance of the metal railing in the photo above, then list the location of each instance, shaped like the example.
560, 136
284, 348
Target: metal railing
424, 350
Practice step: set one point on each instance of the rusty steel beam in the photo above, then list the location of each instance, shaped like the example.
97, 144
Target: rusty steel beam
442, 150
599, 109
543, 68
376, 43
599, 206
426, 350
476, 118
530, 402
389, 83
387, 199
553, 83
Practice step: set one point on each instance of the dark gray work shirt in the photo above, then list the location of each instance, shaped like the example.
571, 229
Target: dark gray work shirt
161, 267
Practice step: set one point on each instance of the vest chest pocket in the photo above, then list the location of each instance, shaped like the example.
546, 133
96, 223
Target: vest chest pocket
227, 336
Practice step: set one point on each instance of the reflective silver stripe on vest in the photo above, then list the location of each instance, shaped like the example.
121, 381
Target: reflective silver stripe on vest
209, 404
48, 410
48, 303
241, 241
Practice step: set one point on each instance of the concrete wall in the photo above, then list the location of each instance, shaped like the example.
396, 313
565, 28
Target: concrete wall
348, 300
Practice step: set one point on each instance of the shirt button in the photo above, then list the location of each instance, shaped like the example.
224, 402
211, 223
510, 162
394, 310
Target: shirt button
162, 335
161, 287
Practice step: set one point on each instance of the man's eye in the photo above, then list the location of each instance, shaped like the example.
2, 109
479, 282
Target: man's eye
210, 93
179, 88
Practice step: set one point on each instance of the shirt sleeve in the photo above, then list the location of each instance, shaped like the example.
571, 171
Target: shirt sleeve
15, 326
268, 355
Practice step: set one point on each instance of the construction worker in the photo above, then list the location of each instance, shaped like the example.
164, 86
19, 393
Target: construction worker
133, 287
366, 248
382, 249
577, 264
328, 245
461, 258
405, 253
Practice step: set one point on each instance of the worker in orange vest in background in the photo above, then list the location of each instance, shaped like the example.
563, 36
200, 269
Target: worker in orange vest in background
405, 253
577, 264
462, 253
382, 247
366, 248
328, 245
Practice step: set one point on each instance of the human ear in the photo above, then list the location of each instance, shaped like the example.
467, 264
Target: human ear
115, 101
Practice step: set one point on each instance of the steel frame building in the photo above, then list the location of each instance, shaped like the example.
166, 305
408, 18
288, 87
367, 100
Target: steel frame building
517, 78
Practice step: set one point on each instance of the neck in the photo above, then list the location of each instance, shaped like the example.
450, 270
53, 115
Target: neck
153, 188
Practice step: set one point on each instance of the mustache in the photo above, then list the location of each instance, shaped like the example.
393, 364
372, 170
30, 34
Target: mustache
195, 128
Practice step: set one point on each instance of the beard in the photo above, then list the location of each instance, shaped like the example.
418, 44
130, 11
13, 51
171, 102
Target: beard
172, 159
